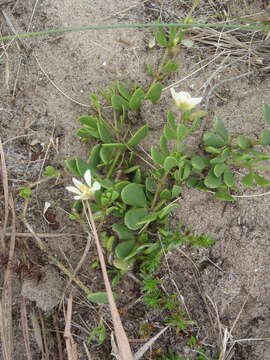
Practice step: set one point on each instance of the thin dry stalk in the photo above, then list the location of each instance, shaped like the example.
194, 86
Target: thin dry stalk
121, 337
25, 329
4, 176
58, 337
70, 344
6, 300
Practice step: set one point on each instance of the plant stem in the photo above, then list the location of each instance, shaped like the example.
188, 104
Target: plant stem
159, 187
109, 174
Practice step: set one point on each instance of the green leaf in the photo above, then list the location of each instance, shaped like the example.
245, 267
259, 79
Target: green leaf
87, 132
82, 166
133, 195
169, 163
98, 298
244, 142
119, 146
171, 120
163, 143
136, 99
170, 67
157, 156
137, 176
131, 169
198, 162
224, 195
123, 265
213, 140
134, 216
50, 171
150, 185
123, 232
154, 93
25, 193
212, 181
124, 249
182, 131
103, 132
94, 158
138, 136
228, 177
213, 150
150, 70
176, 191
90, 121
168, 209
105, 155
165, 194
261, 181
123, 90
184, 172
120, 185
160, 37
217, 160
219, 169
265, 138
220, 129
169, 133
266, 113
248, 180
118, 103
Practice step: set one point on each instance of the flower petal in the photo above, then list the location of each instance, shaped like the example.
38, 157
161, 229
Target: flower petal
88, 178
73, 189
77, 197
96, 186
195, 100
77, 183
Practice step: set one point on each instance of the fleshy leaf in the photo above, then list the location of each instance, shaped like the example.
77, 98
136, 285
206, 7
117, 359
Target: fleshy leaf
248, 180
213, 140
154, 93
98, 298
123, 232
265, 137
220, 129
133, 195
266, 113
157, 156
169, 163
134, 216
160, 37
124, 249
136, 99
224, 195
228, 177
123, 90
138, 136
261, 181
243, 142
118, 103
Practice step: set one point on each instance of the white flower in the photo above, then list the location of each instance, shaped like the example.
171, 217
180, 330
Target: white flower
82, 191
184, 101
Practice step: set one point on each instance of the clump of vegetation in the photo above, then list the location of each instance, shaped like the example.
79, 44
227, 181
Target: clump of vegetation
131, 194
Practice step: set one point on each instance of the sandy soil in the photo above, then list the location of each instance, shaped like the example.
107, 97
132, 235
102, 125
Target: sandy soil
45, 87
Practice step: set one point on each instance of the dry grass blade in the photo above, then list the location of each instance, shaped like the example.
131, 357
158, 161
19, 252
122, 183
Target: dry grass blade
37, 331
6, 300
121, 337
25, 329
4, 177
238, 42
70, 344
58, 337
139, 354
